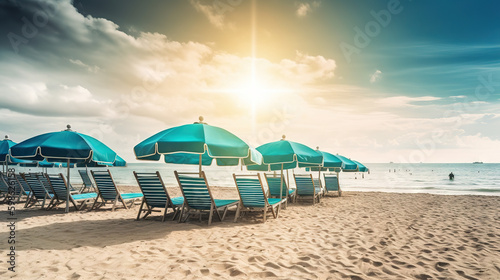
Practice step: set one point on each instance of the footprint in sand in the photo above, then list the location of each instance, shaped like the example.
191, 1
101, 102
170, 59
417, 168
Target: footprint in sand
440, 266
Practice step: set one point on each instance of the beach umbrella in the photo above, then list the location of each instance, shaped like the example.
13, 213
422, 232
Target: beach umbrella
361, 167
330, 162
198, 144
286, 155
119, 162
5, 158
64, 146
349, 165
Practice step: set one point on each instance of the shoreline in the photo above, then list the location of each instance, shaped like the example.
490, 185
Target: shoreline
361, 235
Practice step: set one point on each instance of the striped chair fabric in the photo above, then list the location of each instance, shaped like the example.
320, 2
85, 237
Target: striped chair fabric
37, 189
154, 191
107, 189
195, 192
331, 183
87, 182
251, 192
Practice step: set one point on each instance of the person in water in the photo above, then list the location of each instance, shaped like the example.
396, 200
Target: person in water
451, 176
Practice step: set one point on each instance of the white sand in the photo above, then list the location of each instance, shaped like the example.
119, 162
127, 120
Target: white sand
356, 236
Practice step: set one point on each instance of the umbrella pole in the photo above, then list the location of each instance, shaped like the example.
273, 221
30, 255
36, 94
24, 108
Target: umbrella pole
199, 166
67, 191
281, 187
319, 178
338, 182
287, 179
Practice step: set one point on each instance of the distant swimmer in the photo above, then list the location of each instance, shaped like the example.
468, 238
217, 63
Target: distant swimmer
451, 176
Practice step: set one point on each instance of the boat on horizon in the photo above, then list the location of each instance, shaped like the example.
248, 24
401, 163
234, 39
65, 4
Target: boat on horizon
477, 162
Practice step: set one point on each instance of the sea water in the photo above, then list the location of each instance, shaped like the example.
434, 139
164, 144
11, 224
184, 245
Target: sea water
477, 179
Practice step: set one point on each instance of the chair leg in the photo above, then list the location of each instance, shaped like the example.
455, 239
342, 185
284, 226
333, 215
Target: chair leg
237, 212
265, 213
176, 212
182, 212
140, 210
211, 213
224, 214
165, 212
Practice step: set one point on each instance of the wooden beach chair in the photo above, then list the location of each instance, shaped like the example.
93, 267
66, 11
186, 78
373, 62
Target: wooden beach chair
273, 184
156, 195
39, 193
24, 187
332, 184
59, 187
198, 198
87, 182
4, 187
306, 187
5, 190
253, 196
108, 191
318, 183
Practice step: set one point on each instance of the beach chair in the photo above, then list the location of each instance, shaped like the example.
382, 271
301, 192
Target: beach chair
23, 186
273, 184
108, 191
253, 196
45, 182
4, 187
156, 195
318, 183
198, 198
332, 184
38, 192
6, 191
306, 187
59, 188
87, 182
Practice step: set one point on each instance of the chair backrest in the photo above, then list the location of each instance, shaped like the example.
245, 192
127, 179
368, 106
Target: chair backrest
35, 185
105, 184
195, 189
273, 183
85, 178
331, 182
305, 185
317, 183
58, 185
22, 183
250, 189
153, 188
45, 182
4, 184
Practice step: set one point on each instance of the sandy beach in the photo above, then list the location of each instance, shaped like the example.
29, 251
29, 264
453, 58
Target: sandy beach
361, 235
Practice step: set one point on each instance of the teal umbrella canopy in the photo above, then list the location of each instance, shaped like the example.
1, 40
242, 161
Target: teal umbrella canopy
184, 144
5, 146
287, 153
349, 165
330, 161
361, 167
63, 146
119, 162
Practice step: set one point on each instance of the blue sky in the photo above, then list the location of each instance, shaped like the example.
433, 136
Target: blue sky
377, 81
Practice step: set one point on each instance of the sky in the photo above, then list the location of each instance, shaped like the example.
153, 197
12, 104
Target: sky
376, 81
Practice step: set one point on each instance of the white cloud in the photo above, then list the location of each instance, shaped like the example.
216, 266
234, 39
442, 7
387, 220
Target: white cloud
89, 68
458, 96
214, 12
405, 101
376, 76
305, 8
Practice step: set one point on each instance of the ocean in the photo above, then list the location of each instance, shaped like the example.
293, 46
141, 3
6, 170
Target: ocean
470, 179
